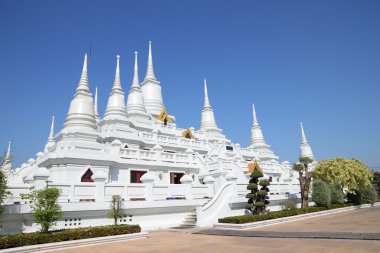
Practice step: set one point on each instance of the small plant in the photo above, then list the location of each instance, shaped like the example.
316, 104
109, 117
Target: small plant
116, 211
45, 209
321, 193
287, 205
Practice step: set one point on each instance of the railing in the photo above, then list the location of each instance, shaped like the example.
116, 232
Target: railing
178, 139
139, 154
101, 191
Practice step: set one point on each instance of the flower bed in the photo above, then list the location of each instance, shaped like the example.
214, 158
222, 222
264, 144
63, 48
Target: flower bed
18, 240
278, 214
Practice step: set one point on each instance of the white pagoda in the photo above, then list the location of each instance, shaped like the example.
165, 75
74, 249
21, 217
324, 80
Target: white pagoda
167, 176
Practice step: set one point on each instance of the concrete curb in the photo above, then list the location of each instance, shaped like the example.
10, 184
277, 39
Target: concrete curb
288, 219
76, 243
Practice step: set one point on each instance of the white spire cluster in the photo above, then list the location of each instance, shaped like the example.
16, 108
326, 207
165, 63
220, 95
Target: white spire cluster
305, 148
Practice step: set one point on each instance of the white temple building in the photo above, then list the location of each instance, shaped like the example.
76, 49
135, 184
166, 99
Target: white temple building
166, 175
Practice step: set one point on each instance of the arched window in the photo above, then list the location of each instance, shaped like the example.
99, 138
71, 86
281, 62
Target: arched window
87, 176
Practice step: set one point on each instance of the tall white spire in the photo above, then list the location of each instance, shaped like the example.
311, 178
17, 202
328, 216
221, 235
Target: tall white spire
83, 82
303, 137
135, 82
51, 135
97, 118
207, 102
8, 157
208, 119
151, 89
51, 141
255, 122
135, 103
7, 165
305, 148
257, 138
81, 112
150, 70
116, 102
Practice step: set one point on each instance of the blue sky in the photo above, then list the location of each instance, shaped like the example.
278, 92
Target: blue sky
311, 61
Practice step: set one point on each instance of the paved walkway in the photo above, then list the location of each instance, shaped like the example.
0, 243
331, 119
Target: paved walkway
183, 241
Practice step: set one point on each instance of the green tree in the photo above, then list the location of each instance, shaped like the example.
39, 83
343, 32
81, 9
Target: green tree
369, 195
3, 187
351, 174
376, 180
321, 193
337, 195
116, 211
304, 177
46, 211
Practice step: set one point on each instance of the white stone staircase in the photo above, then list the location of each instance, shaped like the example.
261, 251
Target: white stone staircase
190, 221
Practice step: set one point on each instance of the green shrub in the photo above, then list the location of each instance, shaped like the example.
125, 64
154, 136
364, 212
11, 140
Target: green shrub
355, 197
18, 240
321, 193
288, 205
262, 193
277, 214
251, 186
264, 182
336, 193
369, 195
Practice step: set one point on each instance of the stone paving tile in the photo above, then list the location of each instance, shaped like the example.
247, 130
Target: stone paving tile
361, 221
365, 221
287, 234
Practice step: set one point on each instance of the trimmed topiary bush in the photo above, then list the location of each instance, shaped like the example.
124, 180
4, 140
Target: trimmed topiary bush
321, 193
336, 193
257, 199
18, 240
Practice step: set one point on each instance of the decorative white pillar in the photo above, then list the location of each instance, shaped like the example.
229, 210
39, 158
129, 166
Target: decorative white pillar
187, 180
99, 179
115, 148
158, 150
148, 179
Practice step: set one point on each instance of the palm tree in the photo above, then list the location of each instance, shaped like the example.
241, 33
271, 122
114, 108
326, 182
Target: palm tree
302, 167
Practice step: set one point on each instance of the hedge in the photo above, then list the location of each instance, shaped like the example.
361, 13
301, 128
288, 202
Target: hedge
277, 214
18, 240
